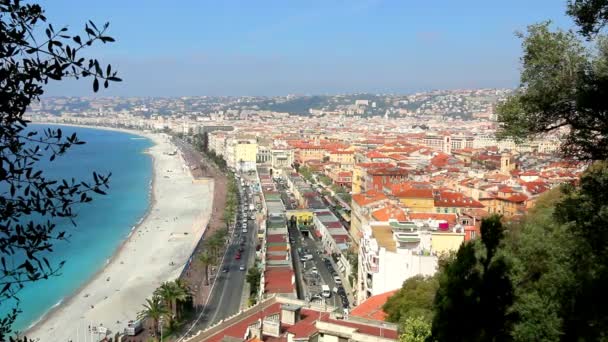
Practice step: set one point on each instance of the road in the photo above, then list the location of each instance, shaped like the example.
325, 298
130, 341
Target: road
308, 283
225, 298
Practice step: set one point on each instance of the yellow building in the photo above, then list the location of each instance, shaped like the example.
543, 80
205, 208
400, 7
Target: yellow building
301, 216
346, 159
362, 206
358, 179
417, 200
445, 242
245, 154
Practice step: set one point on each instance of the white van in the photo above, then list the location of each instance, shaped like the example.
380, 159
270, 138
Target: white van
325, 291
337, 280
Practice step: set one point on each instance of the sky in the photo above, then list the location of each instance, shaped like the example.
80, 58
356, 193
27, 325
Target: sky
280, 47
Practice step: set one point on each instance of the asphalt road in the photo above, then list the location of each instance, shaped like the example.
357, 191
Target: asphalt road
225, 299
303, 270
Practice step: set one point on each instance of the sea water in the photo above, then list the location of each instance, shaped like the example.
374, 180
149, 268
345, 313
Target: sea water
102, 225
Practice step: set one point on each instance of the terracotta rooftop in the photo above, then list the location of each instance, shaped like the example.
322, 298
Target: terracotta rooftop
371, 308
368, 197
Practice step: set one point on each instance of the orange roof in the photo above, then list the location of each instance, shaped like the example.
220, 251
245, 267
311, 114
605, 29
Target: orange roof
368, 197
371, 308
375, 154
389, 212
454, 199
450, 218
415, 193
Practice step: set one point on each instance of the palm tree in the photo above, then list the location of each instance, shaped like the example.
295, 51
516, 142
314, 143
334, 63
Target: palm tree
206, 259
154, 309
182, 293
168, 292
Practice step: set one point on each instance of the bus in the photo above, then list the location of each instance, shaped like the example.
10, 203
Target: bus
325, 291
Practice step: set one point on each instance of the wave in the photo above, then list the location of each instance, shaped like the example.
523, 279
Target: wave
45, 314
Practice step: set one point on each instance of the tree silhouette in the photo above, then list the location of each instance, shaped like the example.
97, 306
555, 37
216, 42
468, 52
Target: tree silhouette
31, 55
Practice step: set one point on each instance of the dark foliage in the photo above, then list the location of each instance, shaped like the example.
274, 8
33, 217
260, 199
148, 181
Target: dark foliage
589, 15
474, 287
585, 212
29, 202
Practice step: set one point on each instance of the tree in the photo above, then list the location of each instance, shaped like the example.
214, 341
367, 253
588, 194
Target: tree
414, 299
474, 287
154, 309
253, 278
31, 55
172, 293
415, 329
206, 260
563, 84
584, 211
589, 15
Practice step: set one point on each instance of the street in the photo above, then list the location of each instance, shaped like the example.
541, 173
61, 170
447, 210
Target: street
225, 298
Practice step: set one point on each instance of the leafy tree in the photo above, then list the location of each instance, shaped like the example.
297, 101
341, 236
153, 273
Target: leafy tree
206, 260
414, 299
589, 15
474, 287
172, 293
415, 329
154, 309
563, 84
31, 55
254, 277
584, 211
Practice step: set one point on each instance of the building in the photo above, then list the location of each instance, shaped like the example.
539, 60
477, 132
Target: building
391, 252
279, 319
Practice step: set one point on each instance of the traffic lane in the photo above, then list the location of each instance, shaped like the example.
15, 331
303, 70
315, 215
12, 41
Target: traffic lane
326, 276
230, 287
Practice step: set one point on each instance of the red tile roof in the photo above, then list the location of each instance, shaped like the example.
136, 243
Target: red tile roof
371, 308
454, 199
415, 193
368, 197
278, 280
389, 212
450, 218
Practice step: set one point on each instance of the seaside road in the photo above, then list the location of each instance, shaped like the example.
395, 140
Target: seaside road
225, 299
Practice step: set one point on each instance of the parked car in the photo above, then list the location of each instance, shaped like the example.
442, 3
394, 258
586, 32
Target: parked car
237, 257
225, 269
242, 267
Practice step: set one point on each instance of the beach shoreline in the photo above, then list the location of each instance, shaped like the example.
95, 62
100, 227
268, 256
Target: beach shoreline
54, 322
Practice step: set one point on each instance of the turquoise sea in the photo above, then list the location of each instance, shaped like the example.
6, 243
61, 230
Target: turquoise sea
103, 224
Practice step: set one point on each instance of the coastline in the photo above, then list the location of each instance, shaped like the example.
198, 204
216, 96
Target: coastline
53, 325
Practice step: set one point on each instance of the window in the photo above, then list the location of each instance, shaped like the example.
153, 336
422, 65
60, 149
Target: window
473, 235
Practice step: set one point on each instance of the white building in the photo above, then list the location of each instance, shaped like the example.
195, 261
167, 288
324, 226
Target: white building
389, 253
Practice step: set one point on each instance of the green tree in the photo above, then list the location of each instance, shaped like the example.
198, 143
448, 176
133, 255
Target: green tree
172, 293
154, 309
414, 299
474, 287
33, 53
589, 15
584, 211
253, 278
206, 259
415, 329
563, 84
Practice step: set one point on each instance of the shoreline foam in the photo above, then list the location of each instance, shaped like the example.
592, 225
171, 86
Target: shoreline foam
61, 321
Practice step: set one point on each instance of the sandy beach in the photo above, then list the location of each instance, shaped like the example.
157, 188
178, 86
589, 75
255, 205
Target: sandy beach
156, 251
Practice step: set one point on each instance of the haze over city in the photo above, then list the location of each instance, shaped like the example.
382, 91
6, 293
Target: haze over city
194, 48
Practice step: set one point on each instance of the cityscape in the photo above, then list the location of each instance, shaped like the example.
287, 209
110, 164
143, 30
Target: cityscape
319, 171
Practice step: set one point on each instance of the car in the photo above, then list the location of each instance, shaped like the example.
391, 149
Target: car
225, 269
241, 249
244, 230
237, 257
337, 280
242, 267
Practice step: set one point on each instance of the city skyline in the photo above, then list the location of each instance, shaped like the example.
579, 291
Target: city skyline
240, 49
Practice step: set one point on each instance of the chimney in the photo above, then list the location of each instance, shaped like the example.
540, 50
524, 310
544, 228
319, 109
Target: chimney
290, 314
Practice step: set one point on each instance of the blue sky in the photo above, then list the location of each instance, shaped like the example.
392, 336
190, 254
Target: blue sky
272, 47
